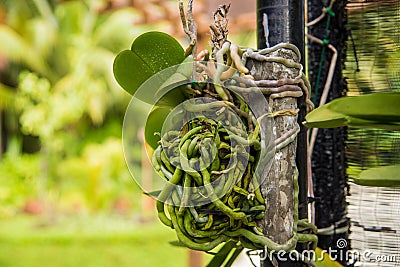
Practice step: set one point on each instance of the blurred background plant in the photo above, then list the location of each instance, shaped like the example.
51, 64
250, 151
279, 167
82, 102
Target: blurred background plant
60, 104
61, 115
61, 156
60, 108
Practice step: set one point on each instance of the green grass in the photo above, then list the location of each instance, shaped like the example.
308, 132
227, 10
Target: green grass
88, 242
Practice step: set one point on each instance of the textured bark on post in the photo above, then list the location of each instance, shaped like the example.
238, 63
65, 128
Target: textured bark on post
277, 185
286, 24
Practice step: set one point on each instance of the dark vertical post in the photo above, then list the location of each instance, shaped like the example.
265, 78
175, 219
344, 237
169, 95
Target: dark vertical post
285, 21
286, 24
329, 155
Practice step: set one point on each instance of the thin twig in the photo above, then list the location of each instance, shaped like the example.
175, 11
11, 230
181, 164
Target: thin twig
189, 26
183, 17
219, 29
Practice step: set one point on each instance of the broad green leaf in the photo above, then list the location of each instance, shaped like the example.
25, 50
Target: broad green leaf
172, 78
378, 110
150, 53
223, 254
172, 98
388, 176
167, 87
323, 117
182, 73
383, 107
154, 92
154, 125
233, 257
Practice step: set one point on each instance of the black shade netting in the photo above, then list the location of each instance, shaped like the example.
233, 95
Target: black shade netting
328, 158
373, 66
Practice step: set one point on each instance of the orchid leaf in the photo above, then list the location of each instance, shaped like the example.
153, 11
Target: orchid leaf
378, 110
154, 125
223, 254
388, 176
150, 53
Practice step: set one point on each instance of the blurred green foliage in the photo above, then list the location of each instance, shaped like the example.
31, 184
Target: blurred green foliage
58, 89
17, 181
93, 241
60, 58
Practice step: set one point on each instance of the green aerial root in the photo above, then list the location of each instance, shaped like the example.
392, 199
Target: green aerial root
212, 192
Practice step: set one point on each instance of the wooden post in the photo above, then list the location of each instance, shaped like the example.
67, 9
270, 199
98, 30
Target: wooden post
285, 24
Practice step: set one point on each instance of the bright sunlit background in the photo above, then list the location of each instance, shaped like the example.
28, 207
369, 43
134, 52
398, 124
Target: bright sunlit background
66, 196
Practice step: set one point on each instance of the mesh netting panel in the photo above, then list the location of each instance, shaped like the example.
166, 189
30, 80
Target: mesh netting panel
373, 65
368, 148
